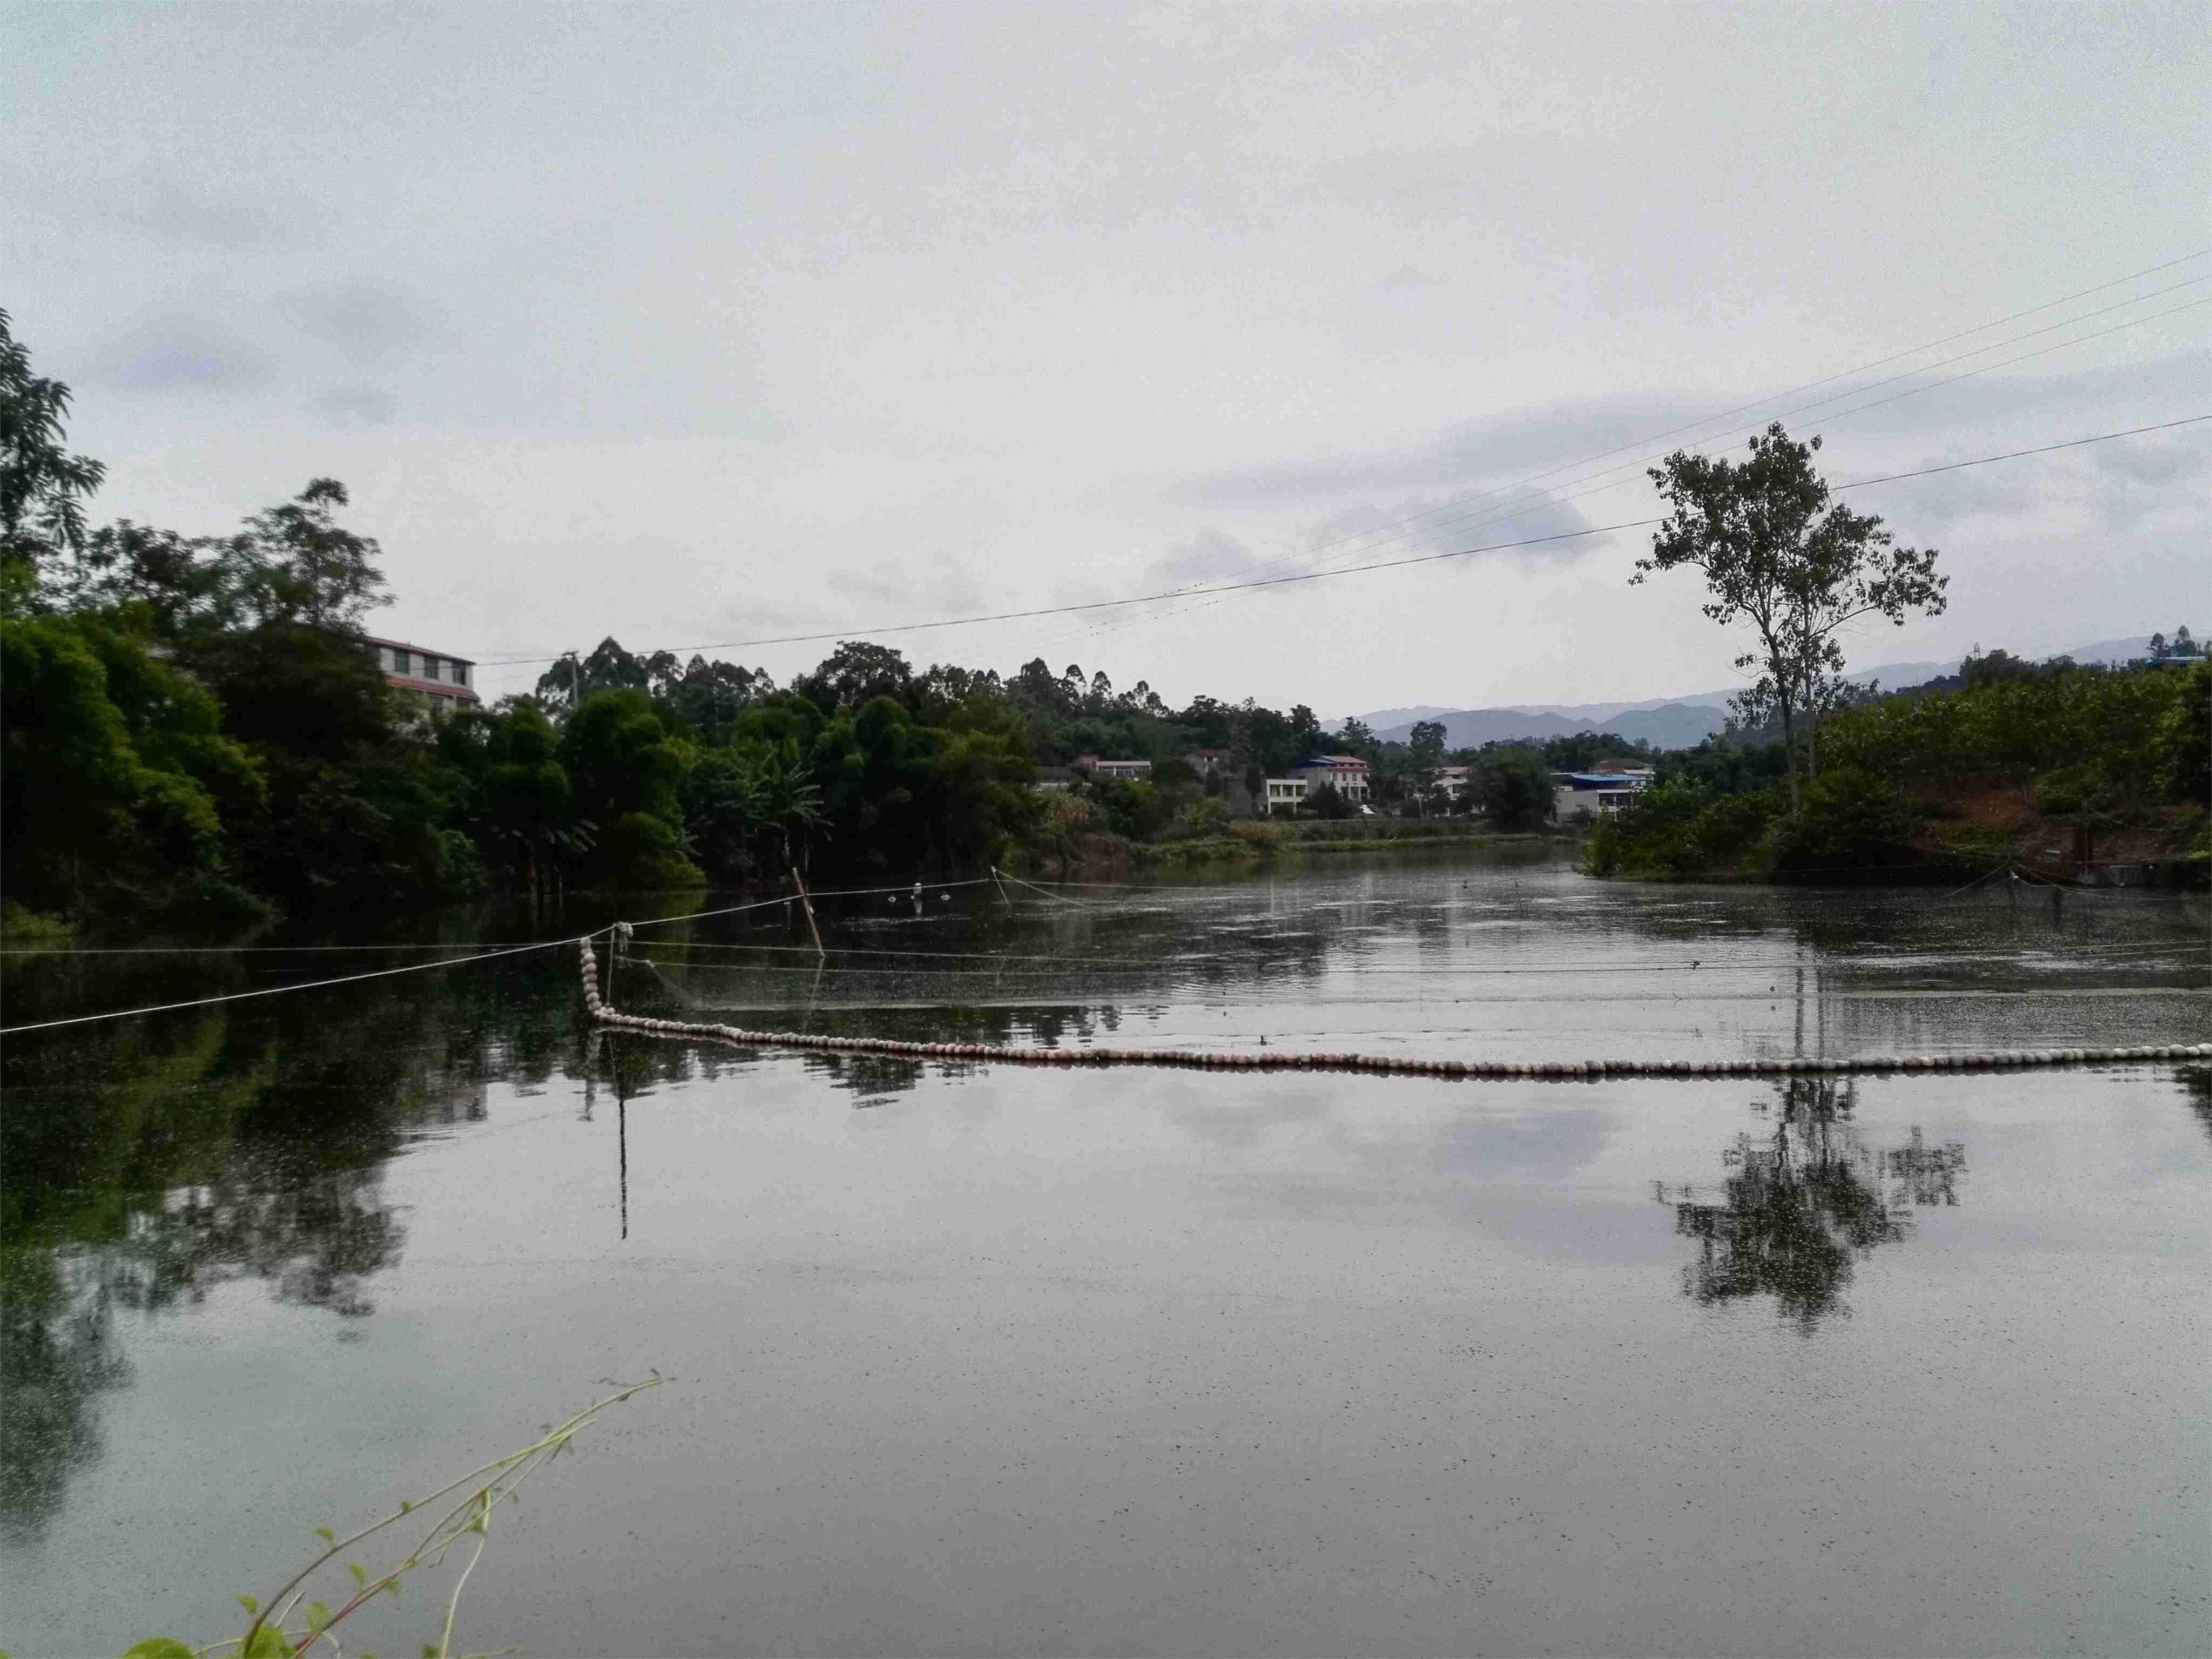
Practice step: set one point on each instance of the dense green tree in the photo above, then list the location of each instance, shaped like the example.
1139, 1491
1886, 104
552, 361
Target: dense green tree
857, 671
110, 763
299, 565
1326, 800
721, 800
1993, 668
1424, 753
568, 683
2184, 739
705, 698
43, 486
1721, 766
625, 772
788, 801
527, 814
1512, 788
1270, 739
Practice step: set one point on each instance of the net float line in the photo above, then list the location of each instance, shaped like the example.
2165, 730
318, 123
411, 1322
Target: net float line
1396, 1065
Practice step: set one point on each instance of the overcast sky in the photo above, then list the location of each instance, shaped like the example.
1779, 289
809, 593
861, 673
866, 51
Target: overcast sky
703, 326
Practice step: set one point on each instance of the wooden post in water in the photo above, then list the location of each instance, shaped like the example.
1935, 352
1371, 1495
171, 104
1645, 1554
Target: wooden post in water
806, 901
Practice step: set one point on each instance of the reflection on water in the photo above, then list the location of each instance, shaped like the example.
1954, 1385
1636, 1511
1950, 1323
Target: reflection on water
56, 1323
934, 1305
2197, 1084
152, 1163
1802, 1203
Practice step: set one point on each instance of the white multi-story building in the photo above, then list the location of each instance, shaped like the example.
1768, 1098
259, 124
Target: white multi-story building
1348, 772
439, 683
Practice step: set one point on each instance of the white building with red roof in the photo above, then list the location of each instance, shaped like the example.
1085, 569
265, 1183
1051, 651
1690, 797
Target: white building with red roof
439, 682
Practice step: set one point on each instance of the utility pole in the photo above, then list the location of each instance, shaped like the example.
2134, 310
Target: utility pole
806, 901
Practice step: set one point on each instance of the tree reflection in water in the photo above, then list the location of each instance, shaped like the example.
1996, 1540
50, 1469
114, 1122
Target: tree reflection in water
1800, 1205
2196, 1082
151, 1162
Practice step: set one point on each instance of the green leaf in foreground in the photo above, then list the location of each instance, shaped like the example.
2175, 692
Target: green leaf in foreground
155, 1647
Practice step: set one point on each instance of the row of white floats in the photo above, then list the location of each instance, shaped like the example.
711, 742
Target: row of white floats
1286, 1062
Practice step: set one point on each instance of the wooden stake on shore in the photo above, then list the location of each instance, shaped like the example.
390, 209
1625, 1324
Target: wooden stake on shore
807, 901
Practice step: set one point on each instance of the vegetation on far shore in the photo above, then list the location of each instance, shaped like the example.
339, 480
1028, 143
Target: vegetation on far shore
194, 735
198, 738
2003, 766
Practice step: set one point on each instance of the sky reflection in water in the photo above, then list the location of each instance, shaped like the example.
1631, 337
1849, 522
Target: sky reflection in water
1140, 1360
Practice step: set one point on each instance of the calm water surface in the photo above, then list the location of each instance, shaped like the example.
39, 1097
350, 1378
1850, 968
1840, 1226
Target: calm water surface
976, 1360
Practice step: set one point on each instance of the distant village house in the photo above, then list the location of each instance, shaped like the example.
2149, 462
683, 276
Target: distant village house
1608, 788
1348, 774
438, 683
1130, 771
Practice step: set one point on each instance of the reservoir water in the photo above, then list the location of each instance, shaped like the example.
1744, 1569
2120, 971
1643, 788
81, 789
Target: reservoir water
977, 1360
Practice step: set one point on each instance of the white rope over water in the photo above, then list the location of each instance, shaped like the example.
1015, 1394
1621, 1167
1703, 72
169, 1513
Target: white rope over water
1391, 1063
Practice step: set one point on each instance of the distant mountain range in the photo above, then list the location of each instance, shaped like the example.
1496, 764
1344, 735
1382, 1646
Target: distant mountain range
1663, 722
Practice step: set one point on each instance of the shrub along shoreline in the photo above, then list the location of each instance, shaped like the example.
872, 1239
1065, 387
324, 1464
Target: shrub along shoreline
1258, 842
2032, 770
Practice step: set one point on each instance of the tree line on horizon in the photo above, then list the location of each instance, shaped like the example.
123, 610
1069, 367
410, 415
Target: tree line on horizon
193, 732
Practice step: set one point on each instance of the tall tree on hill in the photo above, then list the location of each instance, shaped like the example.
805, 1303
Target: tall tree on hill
1777, 553
303, 566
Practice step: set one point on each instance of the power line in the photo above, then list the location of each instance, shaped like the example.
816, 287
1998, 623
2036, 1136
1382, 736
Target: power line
278, 990
1351, 570
1506, 490
1851, 391
1491, 515
1191, 591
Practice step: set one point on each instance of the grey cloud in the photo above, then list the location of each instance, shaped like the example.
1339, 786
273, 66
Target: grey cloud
1407, 280
1372, 533
1375, 533
758, 617
372, 322
940, 587
176, 352
167, 209
2156, 459
1470, 456
2070, 403
2146, 477
2122, 480
356, 406
1915, 508
219, 219
1210, 554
